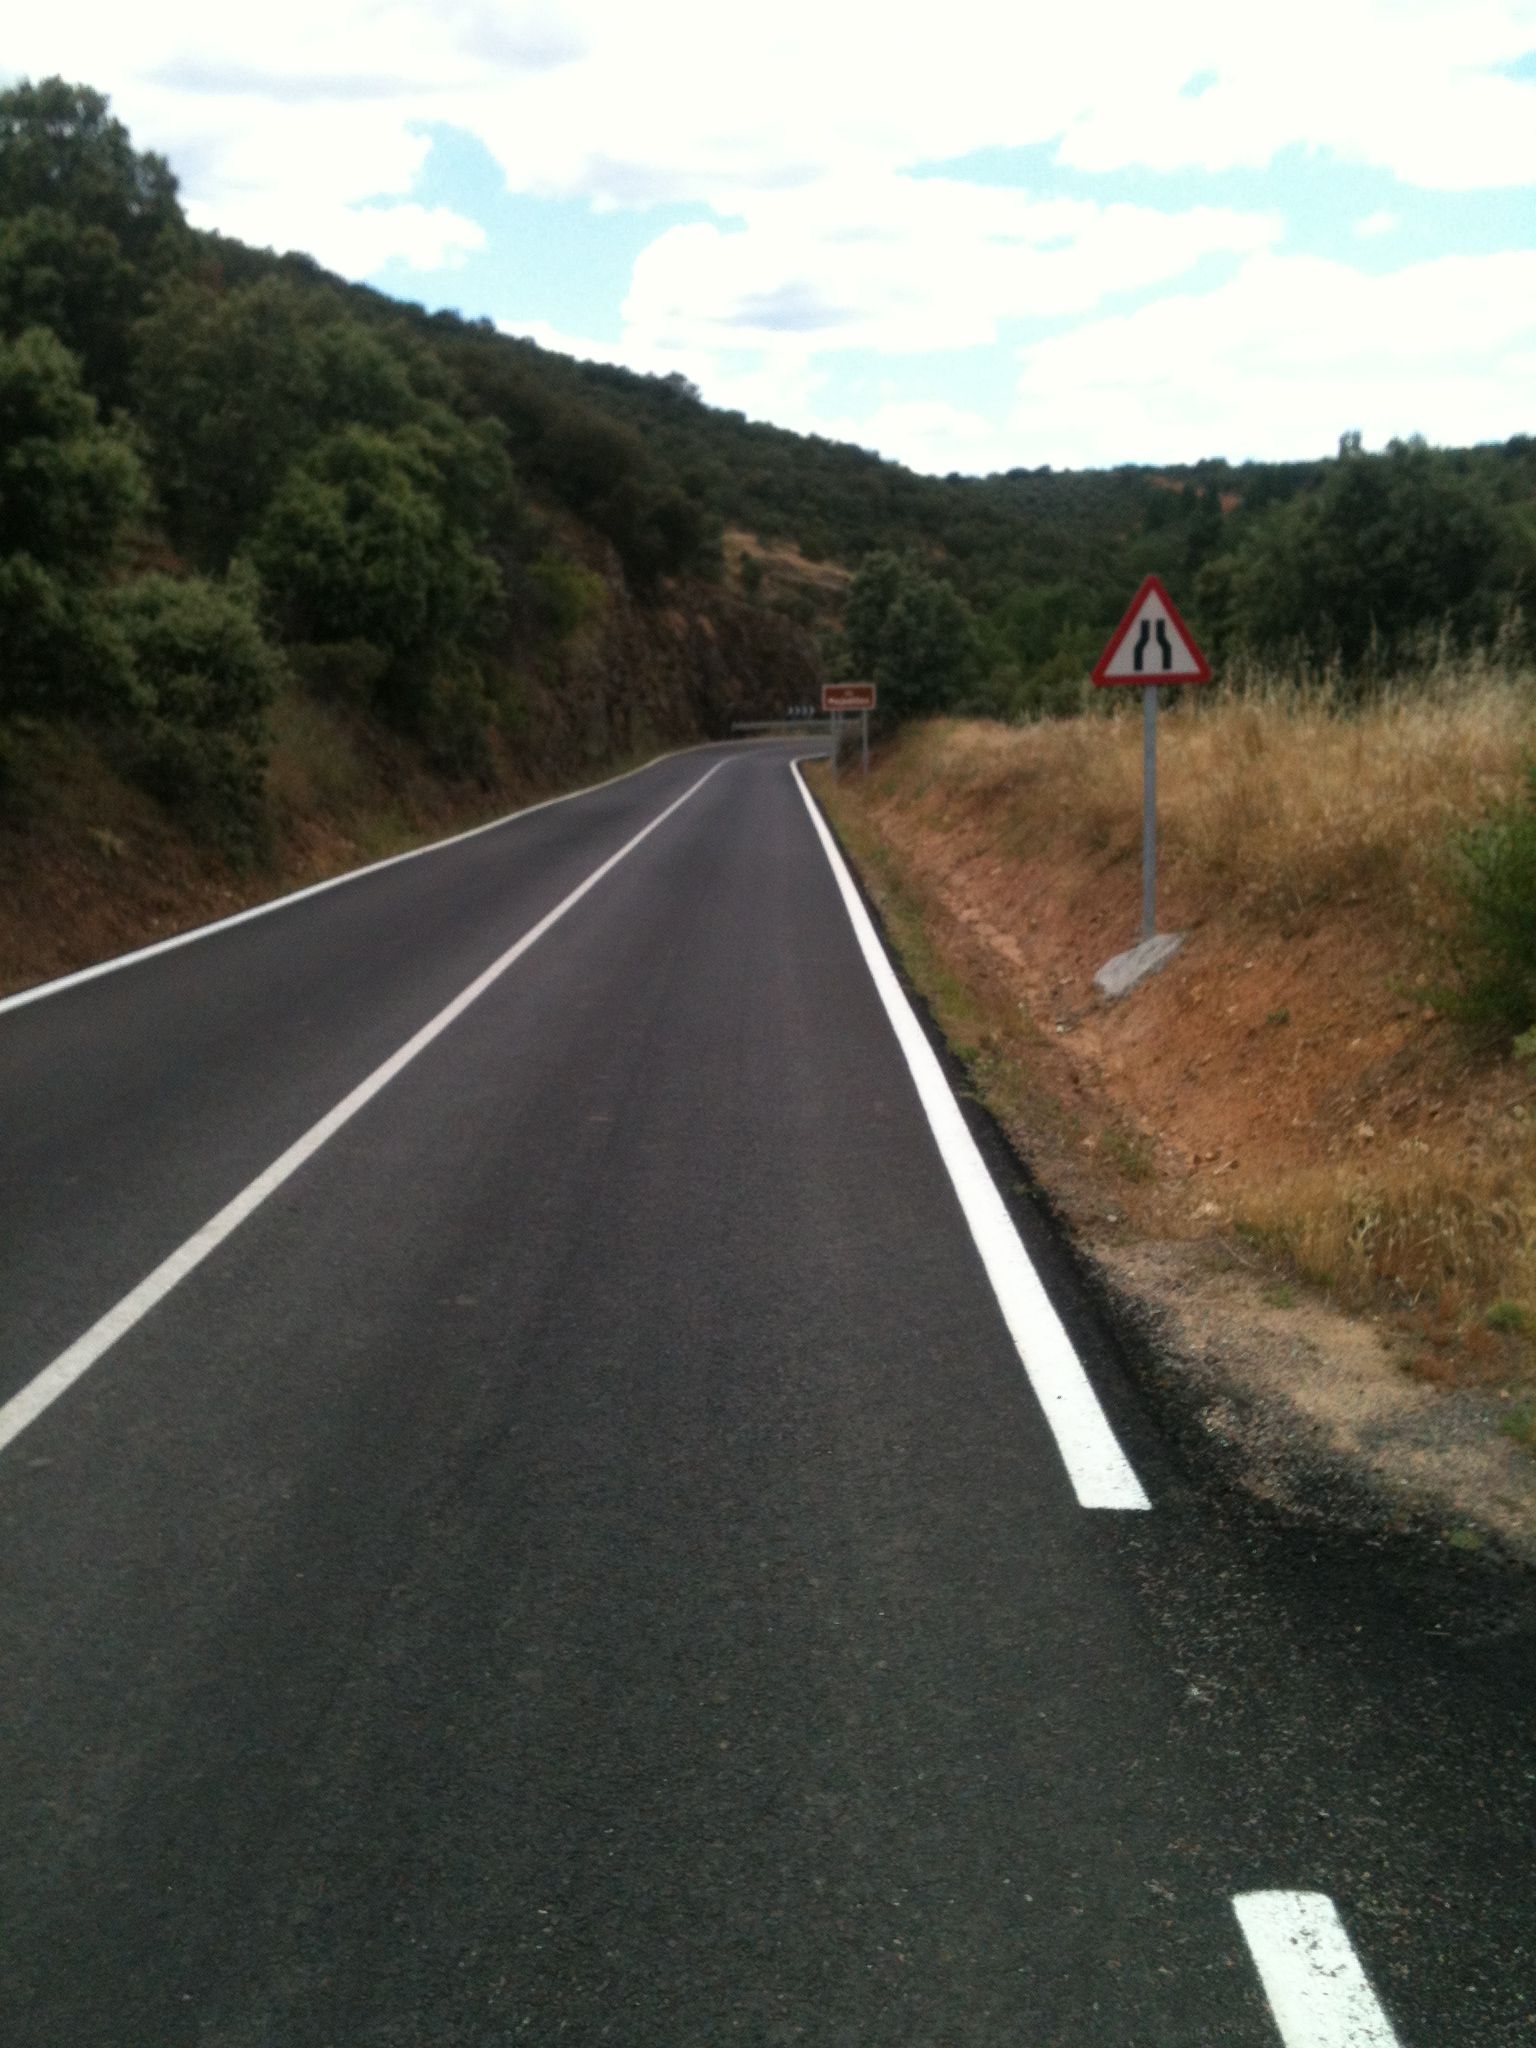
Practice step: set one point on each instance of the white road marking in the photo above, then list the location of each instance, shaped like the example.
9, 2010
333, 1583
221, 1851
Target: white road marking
1100, 1472
40, 1393
1312, 1977
224, 924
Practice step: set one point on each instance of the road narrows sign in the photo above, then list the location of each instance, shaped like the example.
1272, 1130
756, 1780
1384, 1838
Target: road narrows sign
1151, 644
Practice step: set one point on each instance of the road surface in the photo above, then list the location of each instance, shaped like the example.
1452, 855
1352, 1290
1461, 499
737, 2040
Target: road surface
528, 1518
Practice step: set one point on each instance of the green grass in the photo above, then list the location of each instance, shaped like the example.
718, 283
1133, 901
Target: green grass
1132, 1153
1509, 1318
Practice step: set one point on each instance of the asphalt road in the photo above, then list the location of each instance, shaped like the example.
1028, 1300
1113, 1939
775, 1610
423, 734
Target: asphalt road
579, 1558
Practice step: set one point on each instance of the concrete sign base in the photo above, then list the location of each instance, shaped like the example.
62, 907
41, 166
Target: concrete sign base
1119, 976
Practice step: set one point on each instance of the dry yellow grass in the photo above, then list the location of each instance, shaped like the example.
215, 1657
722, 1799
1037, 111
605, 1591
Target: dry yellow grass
1281, 795
1403, 1170
1409, 1231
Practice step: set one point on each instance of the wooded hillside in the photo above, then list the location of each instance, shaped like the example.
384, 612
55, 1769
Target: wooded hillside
230, 481
227, 478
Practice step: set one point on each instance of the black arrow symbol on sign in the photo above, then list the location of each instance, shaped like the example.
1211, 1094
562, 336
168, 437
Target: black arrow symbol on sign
1149, 631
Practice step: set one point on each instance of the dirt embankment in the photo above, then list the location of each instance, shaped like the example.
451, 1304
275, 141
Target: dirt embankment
1279, 1153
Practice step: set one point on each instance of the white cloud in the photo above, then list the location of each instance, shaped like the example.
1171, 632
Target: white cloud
931, 435
1275, 364
328, 204
547, 335
1382, 223
901, 265
1293, 352
1408, 89
688, 99
787, 392
304, 123
755, 312
362, 241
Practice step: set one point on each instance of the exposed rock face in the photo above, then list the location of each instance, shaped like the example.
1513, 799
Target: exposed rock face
678, 669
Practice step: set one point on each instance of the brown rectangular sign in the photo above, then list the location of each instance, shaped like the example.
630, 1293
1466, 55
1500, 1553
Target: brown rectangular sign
847, 696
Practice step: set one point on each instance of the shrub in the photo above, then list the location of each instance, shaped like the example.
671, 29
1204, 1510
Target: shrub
455, 723
568, 595
63, 655
348, 671
1494, 949
205, 676
1509, 1318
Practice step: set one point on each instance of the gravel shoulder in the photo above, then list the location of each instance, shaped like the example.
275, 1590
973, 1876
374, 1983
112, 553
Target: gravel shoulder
1308, 1409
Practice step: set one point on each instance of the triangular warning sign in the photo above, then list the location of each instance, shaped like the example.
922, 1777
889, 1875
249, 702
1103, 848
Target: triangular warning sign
1152, 644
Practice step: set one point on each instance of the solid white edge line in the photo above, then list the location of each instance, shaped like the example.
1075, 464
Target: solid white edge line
1312, 1977
61, 982
1098, 1468
55, 1379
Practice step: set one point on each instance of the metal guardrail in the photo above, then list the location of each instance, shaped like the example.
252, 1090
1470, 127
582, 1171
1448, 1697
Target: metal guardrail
782, 725
781, 728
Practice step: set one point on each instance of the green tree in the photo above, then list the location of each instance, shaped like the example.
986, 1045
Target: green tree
67, 483
75, 281
870, 601
1389, 546
473, 479
356, 546
68, 486
60, 148
587, 457
913, 634
232, 386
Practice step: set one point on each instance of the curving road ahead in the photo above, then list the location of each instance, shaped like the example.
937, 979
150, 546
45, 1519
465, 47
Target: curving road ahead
548, 1497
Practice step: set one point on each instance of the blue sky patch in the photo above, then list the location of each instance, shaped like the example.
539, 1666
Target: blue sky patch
1321, 201
558, 260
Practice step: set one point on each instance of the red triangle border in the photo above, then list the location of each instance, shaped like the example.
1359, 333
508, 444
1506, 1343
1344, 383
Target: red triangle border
1101, 681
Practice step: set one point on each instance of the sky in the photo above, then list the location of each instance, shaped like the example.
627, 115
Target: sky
973, 236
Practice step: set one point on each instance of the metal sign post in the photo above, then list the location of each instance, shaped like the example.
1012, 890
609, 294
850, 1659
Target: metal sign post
1149, 811
836, 698
1150, 646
